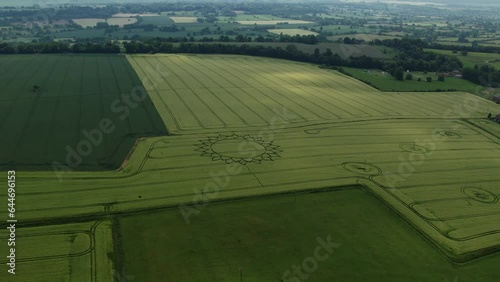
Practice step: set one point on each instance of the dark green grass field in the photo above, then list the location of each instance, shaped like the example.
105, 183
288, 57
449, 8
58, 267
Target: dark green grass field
389, 83
266, 237
157, 20
76, 92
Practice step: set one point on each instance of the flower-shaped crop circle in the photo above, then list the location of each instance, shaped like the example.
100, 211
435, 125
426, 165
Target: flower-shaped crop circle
241, 149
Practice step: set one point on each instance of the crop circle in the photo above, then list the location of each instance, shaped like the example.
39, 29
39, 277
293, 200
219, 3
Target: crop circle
479, 194
241, 149
449, 134
362, 168
414, 148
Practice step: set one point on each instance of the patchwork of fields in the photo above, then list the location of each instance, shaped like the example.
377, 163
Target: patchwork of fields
246, 127
119, 21
272, 22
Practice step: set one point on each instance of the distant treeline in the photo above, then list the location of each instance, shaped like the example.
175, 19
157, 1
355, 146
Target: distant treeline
327, 58
483, 75
411, 55
291, 52
49, 14
306, 39
58, 47
473, 48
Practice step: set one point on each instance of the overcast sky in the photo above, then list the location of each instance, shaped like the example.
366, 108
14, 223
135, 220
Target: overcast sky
45, 2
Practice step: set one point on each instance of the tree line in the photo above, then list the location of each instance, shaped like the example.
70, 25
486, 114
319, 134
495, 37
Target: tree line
59, 47
410, 56
483, 75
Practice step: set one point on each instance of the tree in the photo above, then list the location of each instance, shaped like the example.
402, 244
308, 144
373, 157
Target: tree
240, 38
36, 88
316, 53
399, 74
101, 25
464, 53
441, 78
428, 79
409, 76
463, 38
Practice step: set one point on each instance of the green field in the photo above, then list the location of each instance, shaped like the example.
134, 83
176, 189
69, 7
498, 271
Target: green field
260, 20
292, 31
266, 237
474, 58
423, 163
386, 82
76, 94
68, 252
157, 20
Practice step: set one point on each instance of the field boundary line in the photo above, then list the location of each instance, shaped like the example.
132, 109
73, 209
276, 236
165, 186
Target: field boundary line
179, 97
156, 92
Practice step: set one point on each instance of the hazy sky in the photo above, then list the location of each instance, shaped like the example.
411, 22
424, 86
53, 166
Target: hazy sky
45, 2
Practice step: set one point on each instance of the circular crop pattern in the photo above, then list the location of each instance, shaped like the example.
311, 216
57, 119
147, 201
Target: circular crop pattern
313, 131
362, 168
449, 134
479, 194
241, 149
414, 148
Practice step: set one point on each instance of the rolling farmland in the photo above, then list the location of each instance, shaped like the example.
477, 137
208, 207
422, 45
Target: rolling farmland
245, 127
69, 252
